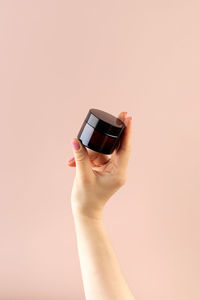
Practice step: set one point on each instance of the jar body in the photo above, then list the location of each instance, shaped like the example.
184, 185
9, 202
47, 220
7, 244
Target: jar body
97, 141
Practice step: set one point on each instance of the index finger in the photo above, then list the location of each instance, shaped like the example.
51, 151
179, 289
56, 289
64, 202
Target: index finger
124, 150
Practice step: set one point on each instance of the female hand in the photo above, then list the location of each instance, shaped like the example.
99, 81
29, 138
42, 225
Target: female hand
99, 176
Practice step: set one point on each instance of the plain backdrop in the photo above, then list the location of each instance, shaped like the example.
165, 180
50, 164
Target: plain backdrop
58, 59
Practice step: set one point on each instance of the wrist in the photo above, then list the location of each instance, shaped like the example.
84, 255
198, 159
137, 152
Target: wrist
86, 215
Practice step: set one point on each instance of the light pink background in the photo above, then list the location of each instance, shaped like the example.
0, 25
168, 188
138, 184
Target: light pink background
57, 60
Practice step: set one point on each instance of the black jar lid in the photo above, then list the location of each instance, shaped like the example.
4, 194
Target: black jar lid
104, 122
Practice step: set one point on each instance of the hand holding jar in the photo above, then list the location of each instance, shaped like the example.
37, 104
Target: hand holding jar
99, 175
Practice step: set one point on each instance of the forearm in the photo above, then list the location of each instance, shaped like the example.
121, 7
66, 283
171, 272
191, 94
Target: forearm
101, 273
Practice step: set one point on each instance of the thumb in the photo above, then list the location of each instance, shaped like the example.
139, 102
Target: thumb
83, 165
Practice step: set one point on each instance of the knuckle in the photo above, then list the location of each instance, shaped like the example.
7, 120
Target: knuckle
128, 149
80, 157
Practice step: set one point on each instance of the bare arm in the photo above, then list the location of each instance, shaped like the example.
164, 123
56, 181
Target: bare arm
97, 178
101, 272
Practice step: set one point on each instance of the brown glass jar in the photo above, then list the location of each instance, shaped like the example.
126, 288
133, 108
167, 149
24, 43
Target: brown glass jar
101, 131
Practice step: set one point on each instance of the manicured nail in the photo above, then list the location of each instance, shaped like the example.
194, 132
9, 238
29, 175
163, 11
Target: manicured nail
71, 159
76, 145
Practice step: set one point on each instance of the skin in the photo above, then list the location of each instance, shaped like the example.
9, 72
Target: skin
97, 178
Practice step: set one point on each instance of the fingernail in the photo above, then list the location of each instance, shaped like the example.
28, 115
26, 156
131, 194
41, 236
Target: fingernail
76, 145
126, 122
69, 160
129, 119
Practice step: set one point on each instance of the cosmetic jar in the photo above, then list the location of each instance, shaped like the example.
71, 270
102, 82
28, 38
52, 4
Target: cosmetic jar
101, 131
